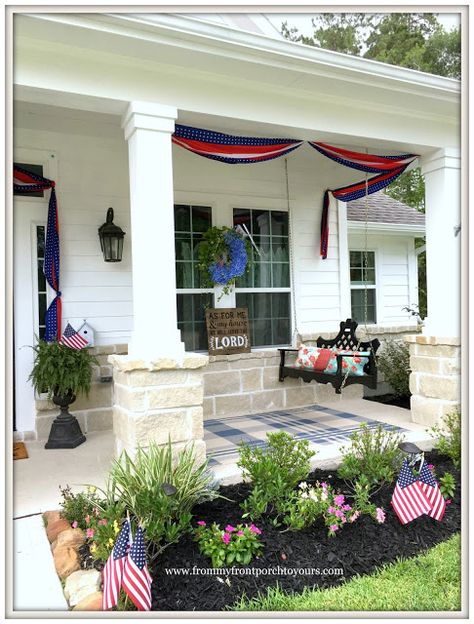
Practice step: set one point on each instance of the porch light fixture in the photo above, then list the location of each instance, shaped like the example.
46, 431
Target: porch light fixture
111, 239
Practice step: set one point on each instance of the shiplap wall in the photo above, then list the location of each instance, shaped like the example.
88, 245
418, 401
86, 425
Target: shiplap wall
92, 163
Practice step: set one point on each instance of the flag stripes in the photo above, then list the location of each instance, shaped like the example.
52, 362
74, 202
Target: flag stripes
71, 338
136, 579
409, 502
430, 487
112, 574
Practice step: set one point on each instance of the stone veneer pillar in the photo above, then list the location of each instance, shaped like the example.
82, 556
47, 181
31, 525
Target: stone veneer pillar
154, 400
435, 380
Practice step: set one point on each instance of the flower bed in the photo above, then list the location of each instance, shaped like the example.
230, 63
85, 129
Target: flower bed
359, 548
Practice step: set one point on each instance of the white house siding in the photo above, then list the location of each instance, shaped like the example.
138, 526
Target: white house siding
92, 174
396, 274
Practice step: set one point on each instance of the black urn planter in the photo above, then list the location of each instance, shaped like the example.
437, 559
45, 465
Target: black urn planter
65, 431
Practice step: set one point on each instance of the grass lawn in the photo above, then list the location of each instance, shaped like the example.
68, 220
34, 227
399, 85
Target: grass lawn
429, 582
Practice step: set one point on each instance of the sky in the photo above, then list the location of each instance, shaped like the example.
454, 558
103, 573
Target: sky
303, 21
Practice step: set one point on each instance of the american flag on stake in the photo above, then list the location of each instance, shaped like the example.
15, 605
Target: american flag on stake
113, 571
430, 487
136, 578
408, 500
72, 339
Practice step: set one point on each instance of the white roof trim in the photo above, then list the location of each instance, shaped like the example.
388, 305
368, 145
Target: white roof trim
388, 228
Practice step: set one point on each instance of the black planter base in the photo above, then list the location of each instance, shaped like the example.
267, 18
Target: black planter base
65, 431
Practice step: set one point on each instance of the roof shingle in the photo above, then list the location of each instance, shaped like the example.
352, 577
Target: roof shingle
384, 209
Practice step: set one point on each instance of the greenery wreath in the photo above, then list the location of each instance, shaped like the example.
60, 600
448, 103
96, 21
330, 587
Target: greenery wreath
223, 256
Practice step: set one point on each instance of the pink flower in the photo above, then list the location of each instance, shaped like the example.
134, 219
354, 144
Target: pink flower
102, 522
339, 514
331, 510
346, 508
229, 528
449, 501
339, 500
333, 528
354, 516
240, 533
254, 529
74, 524
430, 466
226, 538
380, 515
201, 523
87, 519
90, 532
324, 485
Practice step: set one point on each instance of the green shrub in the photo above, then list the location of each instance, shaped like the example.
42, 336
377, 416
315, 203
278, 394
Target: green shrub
138, 484
232, 545
449, 437
447, 485
373, 457
394, 363
273, 470
76, 507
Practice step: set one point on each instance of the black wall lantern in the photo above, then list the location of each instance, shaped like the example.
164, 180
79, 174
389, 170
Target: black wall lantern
111, 239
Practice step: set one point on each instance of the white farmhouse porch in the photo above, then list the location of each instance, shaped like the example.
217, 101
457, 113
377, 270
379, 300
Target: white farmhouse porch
107, 112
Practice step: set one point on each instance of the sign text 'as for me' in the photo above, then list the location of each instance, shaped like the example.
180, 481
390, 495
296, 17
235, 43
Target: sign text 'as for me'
227, 330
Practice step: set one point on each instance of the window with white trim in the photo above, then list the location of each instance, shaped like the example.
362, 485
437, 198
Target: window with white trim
362, 275
192, 300
265, 289
41, 292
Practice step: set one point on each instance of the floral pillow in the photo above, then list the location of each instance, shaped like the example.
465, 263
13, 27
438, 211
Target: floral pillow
314, 358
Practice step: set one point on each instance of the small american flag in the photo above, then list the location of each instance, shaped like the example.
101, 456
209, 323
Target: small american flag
408, 500
113, 571
136, 578
72, 339
430, 487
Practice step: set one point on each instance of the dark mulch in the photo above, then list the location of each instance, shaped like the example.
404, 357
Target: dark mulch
391, 399
359, 548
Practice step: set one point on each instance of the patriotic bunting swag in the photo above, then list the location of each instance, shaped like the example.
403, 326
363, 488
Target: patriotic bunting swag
239, 150
26, 182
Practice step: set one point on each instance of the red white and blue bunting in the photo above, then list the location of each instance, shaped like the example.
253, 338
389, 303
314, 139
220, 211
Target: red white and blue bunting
27, 182
240, 150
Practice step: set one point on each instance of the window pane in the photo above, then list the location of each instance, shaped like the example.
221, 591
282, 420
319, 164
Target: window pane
41, 308
183, 247
358, 307
281, 275
192, 319
356, 276
280, 250
269, 317
41, 277
262, 275
261, 222
201, 218
184, 275
355, 258
243, 217
40, 231
182, 218
279, 223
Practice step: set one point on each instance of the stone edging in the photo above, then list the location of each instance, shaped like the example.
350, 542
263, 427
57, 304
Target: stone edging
81, 587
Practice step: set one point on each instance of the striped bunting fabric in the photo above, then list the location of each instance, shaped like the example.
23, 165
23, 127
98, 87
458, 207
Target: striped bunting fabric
27, 182
112, 573
387, 168
231, 149
430, 487
408, 499
136, 579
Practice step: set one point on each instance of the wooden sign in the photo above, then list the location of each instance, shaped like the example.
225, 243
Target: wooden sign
227, 330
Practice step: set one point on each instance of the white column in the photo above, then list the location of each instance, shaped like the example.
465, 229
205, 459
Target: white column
148, 128
443, 242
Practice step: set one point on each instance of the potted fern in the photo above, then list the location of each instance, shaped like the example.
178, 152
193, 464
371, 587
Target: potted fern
62, 372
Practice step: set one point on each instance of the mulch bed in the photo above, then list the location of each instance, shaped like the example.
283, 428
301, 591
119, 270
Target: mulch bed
391, 399
359, 548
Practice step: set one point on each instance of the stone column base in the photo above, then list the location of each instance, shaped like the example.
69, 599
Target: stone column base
435, 380
157, 401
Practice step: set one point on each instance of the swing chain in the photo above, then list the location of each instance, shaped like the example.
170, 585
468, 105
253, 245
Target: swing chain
294, 337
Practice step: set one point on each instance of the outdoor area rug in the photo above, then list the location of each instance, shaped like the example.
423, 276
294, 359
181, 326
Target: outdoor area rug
318, 424
19, 450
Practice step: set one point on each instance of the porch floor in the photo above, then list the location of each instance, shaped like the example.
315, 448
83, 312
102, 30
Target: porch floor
36, 479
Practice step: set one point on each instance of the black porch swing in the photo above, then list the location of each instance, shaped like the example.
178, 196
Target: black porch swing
346, 340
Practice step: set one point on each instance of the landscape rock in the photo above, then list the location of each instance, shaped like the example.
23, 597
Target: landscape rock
55, 527
93, 602
66, 561
80, 585
51, 516
73, 538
